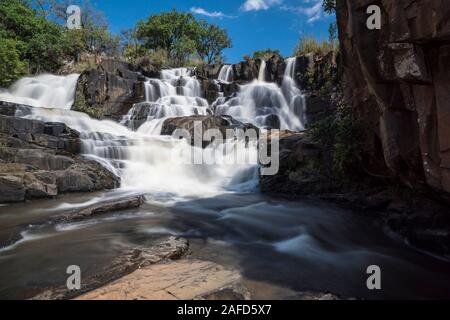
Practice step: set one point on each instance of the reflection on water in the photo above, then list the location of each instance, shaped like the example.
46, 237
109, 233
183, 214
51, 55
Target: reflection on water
294, 245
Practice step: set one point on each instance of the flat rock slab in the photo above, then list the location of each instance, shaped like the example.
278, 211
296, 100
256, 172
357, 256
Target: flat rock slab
137, 258
177, 280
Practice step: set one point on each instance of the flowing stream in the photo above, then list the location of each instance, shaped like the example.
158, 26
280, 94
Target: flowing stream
290, 245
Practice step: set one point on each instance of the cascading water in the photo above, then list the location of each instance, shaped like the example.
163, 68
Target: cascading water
265, 104
44, 91
262, 71
226, 74
143, 159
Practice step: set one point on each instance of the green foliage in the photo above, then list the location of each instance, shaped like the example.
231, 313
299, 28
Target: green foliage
183, 37
211, 42
175, 32
11, 67
340, 135
40, 43
266, 54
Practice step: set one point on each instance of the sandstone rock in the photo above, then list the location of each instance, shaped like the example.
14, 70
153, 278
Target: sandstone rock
125, 264
180, 280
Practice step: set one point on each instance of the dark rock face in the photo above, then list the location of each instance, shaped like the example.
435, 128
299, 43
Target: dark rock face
110, 90
221, 123
399, 85
40, 160
296, 176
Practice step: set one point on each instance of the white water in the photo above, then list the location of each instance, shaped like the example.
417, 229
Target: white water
147, 161
260, 102
143, 159
44, 91
262, 71
226, 74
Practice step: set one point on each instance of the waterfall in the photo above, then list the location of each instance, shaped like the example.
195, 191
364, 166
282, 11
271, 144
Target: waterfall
294, 96
262, 71
266, 104
226, 74
44, 91
145, 160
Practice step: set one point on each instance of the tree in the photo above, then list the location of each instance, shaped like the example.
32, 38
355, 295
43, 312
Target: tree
175, 32
212, 41
40, 43
266, 53
329, 6
11, 67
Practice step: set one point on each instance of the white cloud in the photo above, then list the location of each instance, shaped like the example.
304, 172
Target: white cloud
214, 14
312, 13
256, 5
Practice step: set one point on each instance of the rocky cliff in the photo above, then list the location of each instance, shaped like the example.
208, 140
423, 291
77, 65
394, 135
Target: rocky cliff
398, 82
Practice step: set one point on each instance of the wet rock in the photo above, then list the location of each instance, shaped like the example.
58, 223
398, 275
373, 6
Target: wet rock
221, 123
101, 208
298, 157
39, 160
208, 71
179, 280
110, 90
12, 189
56, 136
85, 176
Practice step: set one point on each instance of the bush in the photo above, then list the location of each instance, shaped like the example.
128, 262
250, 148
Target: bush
341, 136
309, 44
11, 67
266, 54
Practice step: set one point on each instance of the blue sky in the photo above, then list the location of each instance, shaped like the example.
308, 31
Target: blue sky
252, 24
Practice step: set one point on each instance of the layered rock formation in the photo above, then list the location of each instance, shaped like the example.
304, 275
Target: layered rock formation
110, 90
41, 160
398, 82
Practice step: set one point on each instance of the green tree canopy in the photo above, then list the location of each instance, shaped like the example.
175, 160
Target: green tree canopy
183, 37
212, 41
175, 32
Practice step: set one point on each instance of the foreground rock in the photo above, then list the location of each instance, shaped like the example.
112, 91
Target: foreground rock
131, 260
179, 280
41, 160
398, 82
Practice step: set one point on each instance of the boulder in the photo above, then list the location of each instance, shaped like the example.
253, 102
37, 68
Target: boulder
110, 90
221, 123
